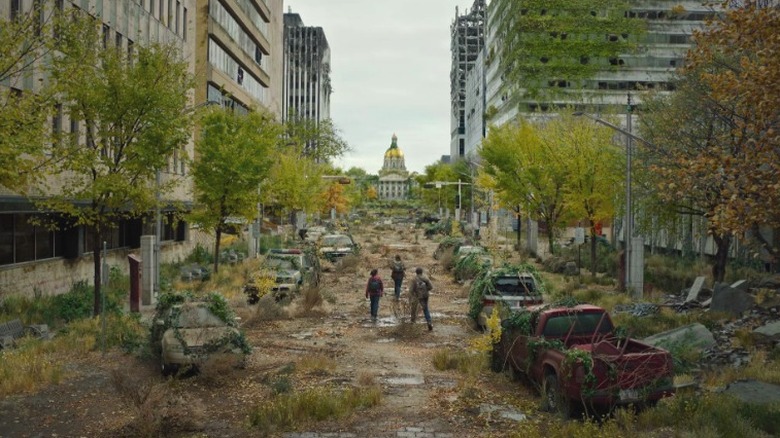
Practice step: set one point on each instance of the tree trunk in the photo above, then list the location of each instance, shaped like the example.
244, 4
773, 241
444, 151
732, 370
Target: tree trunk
216, 249
96, 258
721, 256
551, 238
592, 249
519, 222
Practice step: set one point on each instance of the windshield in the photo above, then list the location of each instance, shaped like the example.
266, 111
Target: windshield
469, 250
280, 263
336, 241
197, 317
584, 324
514, 285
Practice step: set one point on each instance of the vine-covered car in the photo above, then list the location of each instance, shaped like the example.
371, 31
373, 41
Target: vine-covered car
189, 332
577, 359
513, 287
336, 246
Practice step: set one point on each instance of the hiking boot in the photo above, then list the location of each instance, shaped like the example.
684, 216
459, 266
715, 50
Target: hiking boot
430, 327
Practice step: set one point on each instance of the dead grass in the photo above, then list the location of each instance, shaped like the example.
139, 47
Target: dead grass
366, 379
310, 298
316, 364
469, 363
761, 367
158, 408
267, 309
348, 264
219, 369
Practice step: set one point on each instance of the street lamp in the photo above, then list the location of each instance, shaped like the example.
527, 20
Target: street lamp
628, 227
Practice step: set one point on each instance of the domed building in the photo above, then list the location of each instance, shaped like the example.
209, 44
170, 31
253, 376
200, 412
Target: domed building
393, 178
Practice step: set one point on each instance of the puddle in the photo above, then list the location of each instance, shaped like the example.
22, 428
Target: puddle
302, 336
385, 340
387, 321
405, 380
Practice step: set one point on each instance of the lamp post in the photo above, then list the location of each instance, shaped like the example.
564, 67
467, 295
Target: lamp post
637, 284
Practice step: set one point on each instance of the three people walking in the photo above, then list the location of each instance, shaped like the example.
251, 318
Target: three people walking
419, 291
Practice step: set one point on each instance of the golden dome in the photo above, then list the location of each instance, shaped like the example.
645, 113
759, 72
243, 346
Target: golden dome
393, 151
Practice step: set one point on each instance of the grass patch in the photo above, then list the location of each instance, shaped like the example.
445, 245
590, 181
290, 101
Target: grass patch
470, 364
311, 298
316, 364
348, 264
286, 411
762, 367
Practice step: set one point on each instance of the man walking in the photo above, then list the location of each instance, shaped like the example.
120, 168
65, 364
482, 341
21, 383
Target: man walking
419, 292
397, 274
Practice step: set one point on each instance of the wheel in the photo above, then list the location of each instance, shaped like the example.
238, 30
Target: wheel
169, 369
553, 399
496, 361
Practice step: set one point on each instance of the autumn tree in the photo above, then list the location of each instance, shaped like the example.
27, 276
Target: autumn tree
334, 198
233, 157
132, 108
528, 172
715, 139
546, 43
295, 182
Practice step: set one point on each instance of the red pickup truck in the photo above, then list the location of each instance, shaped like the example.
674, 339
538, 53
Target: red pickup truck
574, 357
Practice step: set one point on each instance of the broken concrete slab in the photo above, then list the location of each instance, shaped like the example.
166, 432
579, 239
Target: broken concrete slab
754, 391
695, 335
740, 285
503, 411
731, 300
693, 293
768, 332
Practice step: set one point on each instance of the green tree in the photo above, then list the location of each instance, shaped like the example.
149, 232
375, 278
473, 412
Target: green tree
134, 113
233, 157
25, 43
528, 172
439, 197
594, 170
546, 43
295, 183
320, 141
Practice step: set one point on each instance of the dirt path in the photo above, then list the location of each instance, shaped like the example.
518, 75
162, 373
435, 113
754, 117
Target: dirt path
417, 399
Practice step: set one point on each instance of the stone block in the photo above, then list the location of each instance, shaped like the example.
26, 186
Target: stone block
768, 332
695, 335
730, 300
693, 292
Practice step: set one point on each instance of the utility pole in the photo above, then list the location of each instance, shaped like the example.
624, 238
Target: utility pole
629, 232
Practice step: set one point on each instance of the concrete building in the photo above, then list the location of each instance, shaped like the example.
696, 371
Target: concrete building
36, 259
393, 178
468, 39
306, 73
475, 107
239, 53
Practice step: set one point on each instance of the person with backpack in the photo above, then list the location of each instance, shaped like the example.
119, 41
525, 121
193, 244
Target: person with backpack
397, 274
374, 291
419, 293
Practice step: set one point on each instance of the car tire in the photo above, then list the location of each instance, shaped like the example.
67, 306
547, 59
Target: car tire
553, 399
496, 361
169, 369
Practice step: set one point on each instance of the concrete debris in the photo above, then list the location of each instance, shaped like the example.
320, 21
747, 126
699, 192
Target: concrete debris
693, 335
693, 292
755, 392
767, 333
732, 299
502, 411
636, 309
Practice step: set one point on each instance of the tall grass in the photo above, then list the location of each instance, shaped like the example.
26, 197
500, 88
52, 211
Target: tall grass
289, 410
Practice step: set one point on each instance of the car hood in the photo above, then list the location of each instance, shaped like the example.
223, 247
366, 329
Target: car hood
336, 249
197, 337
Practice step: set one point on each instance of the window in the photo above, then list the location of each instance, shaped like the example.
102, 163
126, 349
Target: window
106, 31
182, 160
461, 147
151, 7
184, 25
118, 41
74, 128
56, 123
130, 50
178, 14
170, 14
162, 10
16, 6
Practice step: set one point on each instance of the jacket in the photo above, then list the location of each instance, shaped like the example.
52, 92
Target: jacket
399, 270
381, 290
414, 290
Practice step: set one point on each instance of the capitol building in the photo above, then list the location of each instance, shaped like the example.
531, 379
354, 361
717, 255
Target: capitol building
393, 178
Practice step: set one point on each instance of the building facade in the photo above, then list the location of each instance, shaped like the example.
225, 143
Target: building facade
239, 53
306, 73
468, 39
393, 178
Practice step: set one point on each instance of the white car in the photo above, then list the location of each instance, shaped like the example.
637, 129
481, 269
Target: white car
336, 246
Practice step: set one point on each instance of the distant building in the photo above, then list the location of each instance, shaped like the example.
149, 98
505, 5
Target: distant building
393, 178
468, 39
307, 87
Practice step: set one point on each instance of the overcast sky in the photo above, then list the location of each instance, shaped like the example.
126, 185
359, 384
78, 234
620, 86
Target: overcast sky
390, 69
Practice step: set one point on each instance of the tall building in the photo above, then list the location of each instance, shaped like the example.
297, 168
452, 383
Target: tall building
239, 53
307, 86
661, 49
468, 39
393, 178
35, 258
